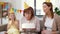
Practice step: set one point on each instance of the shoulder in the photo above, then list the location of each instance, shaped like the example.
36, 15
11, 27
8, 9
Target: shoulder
37, 19
23, 18
9, 22
56, 16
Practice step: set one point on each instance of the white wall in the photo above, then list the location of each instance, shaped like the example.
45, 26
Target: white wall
57, 3
17, 4
5, 0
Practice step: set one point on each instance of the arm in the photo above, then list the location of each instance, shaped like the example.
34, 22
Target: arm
8, 26
57, 20
38, 25
17, 24
55, 27
43, 21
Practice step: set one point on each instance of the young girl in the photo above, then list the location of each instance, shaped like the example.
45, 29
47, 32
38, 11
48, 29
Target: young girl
13, 25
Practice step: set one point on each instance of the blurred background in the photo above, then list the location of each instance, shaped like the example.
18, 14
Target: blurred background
19, 5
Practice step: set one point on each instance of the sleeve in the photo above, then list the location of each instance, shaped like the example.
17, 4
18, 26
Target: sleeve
58, 26
38, 25
55, 28
57, 20
43, 21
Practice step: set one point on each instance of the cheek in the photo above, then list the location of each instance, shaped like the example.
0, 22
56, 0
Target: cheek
46, 10
12, 16
28, 16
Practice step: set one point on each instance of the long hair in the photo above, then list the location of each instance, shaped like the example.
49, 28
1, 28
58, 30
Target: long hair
49, 4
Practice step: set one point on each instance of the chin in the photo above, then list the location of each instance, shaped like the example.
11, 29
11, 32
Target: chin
28, 19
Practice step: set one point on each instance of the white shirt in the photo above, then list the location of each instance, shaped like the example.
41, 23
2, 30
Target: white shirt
49, 23
34, 20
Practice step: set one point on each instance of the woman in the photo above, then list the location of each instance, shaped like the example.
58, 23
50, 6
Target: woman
13, 25
50, 23
28, 17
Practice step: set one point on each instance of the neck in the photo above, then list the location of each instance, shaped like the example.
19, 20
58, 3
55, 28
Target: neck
49, 14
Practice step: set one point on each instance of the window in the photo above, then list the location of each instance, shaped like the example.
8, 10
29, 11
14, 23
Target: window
37, 6
39, 9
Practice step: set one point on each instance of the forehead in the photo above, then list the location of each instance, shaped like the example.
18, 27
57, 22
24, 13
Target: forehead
28, 11
44, 5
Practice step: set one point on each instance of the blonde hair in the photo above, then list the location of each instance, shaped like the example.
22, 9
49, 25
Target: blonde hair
14, 16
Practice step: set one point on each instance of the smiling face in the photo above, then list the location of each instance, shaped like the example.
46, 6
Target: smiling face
46, 8
11, 16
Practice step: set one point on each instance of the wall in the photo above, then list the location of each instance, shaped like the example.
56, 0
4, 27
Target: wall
17, 4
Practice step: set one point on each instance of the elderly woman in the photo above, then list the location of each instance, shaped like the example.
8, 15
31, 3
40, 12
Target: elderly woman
28, 17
